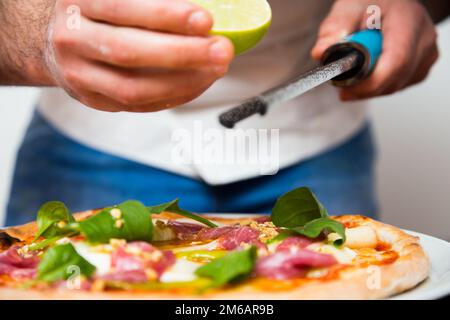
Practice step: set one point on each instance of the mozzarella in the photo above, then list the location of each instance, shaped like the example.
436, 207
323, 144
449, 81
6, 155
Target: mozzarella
98, 256
317, 273
182, 271
361, 237
343, 255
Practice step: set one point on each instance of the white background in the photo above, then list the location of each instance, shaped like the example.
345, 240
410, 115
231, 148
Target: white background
413, 132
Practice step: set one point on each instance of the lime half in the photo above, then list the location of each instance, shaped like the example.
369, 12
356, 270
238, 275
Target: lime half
244, 22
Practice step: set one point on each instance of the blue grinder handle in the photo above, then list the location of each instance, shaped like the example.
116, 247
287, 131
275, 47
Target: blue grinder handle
369, 45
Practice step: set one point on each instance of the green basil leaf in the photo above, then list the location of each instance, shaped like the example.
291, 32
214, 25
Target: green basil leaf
235, 266
44, 243
58, 263
296, 208
174, 208
134, 224
314, 228
48, 217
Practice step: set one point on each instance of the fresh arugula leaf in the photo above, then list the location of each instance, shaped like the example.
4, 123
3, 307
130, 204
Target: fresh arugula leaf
43, 244
57, 264
174, 208
315, 228
133, 223
232, 267
300, 211
296, 208
51, 218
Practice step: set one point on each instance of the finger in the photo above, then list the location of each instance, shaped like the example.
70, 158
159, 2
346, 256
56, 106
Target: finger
177, 16
137, 48
424, 68
421, 69
429, 53
343, 20
167, 103
131, 88
100, 102
397, 61
92, 99
103, 103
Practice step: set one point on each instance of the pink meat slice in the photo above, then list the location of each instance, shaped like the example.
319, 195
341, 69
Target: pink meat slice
16, 265
185, 230
236, 237
213, 233
288, 264
131, 261
263, 219
298, 242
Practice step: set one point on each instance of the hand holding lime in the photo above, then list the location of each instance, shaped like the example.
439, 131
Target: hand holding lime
244, 22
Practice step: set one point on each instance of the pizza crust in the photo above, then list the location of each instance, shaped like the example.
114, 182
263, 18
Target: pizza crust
410, 269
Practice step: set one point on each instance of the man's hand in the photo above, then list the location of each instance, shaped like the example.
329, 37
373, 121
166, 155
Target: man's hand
134, 55
409, 48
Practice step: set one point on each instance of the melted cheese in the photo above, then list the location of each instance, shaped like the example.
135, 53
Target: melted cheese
98, 256
182, 271
361, 237
343, 254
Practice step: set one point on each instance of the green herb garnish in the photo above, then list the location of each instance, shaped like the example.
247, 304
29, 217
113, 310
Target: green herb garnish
315, 228
174, 208
61, 262
52, 219
233, 267
130, 221
300, 211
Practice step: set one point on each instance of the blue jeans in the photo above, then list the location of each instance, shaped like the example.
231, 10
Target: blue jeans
51, 166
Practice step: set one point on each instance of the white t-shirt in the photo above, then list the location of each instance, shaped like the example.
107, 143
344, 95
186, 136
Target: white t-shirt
306, 126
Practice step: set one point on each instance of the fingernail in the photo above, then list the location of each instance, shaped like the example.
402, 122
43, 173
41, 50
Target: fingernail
218, 52
198, 21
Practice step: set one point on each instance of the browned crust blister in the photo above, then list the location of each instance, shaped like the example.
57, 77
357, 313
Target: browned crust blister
408, 270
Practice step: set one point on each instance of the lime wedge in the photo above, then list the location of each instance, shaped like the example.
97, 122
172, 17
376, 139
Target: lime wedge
244, 22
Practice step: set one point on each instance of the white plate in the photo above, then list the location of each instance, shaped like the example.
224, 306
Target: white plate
438, 283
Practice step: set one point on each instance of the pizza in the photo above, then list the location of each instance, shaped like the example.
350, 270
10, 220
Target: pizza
132, 251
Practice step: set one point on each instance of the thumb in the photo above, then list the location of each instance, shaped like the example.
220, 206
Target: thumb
344, 18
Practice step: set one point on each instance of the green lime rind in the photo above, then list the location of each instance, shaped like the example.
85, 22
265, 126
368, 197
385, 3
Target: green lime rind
244, 40
244, 22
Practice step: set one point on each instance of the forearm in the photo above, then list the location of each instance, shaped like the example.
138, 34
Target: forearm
438, 9
23, 37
